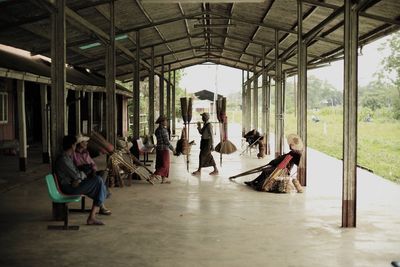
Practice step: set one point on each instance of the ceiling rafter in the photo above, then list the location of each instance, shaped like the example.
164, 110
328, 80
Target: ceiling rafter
186, 27
258, 27
229, 22
155, 27
47, 15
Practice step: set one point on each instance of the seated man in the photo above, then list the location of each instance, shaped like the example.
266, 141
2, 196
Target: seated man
84, 162
74, 182
296, 148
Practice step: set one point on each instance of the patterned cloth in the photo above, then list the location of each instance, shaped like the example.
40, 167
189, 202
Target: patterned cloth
67, 171
163, 139
162, 163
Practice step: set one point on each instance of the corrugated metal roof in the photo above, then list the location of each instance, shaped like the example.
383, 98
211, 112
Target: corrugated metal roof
174, 29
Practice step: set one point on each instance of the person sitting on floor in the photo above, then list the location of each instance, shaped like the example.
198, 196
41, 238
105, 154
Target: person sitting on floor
86, 164
296, 148
74, 182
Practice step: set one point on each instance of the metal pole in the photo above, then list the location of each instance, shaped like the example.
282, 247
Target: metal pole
267, 116
23, 153
45, 136
169, 96
248, 101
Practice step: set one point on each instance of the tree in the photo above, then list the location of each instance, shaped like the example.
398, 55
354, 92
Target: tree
391, 70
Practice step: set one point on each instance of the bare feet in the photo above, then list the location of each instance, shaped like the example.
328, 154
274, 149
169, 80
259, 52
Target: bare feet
196, 172
94, 222
165, 180
214, 172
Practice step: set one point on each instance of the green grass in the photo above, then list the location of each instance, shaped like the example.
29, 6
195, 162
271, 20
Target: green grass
378, 141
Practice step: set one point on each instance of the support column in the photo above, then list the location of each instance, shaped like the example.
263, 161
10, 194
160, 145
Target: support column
101, 106
58, 79
267, 116
125, 120
243, 105
255, 95
169, 97
349, 197
151, 94
23, 153
263, 92
136, 90
45, 122
90, 112
174, 105
248, 101
302, 95
77, 103
278, 100
111, 106
162, 87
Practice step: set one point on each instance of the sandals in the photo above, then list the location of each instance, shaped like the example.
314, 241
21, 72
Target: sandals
196, 173
104, 211
214, 173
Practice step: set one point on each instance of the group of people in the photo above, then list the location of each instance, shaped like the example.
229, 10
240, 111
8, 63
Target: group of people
78, 174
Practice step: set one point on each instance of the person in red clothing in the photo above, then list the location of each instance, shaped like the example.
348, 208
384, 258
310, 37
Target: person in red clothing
296, 148
162, 152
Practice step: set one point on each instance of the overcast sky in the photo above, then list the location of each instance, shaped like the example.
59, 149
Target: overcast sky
229, 80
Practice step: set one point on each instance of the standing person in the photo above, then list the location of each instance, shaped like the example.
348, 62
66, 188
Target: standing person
74, 182
162, 151
84, 162
206, 145
296, 148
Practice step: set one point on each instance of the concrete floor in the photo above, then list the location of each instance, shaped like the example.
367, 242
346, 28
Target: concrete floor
209, 221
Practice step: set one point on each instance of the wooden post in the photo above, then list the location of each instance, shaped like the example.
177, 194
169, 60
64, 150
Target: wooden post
267, 116
162, 87
101, 111
23, 153
45, 129
263, 92
248, 101
111, 114
169, 96
302, 95
136, 90
77, 104
349, 197
255, 95
278, 100
174, 106
90, 113
151, 94
244, 124
58, 79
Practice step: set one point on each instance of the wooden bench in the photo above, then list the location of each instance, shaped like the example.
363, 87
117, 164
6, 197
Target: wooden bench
59, 198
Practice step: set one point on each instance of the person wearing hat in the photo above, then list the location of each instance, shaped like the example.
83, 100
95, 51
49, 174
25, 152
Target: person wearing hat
75, 182
296, 148
206, 145
86, 164
162, 152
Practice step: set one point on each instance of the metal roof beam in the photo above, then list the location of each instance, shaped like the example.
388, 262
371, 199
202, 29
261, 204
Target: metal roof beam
362, 14
47, 15
186, 28
258, 27
161, 22
155, 27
